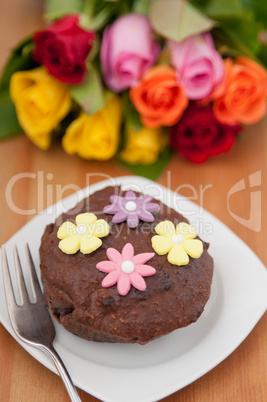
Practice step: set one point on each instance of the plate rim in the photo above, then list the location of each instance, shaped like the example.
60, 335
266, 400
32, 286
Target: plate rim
125, 180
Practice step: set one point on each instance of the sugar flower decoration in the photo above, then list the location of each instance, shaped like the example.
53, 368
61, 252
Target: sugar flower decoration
126, 269
178, 242
85, 235
131, 208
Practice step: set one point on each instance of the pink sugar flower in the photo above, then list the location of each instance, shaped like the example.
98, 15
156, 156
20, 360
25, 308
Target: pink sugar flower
126, 269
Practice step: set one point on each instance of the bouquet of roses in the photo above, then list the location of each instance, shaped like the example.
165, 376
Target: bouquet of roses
134, 79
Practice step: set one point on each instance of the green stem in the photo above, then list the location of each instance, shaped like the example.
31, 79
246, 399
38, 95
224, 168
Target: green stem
88, 12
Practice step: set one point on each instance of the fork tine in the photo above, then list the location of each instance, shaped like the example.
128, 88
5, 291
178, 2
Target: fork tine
35, 282
21, 281
32, 322
9, 291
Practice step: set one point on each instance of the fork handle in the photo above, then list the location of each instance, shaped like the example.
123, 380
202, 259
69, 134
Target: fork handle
63, 372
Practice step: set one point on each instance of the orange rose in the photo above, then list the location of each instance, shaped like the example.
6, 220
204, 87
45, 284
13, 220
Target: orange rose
159, 98
242, 96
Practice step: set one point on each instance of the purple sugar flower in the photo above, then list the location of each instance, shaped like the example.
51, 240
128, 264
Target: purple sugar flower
131, 208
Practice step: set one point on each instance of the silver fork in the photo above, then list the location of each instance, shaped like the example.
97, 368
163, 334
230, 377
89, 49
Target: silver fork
30, 320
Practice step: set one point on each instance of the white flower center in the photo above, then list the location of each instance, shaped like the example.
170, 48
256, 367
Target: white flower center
127, 267
130, 206
81, 229
177, 239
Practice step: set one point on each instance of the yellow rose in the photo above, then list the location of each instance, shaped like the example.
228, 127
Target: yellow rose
41, 103
144, 146
95, 136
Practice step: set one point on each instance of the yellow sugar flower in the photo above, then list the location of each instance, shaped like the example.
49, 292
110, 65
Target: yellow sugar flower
178, 242
84, 235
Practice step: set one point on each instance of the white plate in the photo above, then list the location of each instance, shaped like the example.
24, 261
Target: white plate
117, 372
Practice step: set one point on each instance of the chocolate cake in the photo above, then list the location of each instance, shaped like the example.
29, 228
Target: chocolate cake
98, 291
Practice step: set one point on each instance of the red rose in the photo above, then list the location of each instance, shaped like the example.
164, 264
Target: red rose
198, 135
63, 47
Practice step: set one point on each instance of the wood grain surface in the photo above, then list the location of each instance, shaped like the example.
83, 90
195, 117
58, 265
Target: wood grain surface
242, 377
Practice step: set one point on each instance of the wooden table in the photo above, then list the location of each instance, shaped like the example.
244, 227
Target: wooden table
242, 377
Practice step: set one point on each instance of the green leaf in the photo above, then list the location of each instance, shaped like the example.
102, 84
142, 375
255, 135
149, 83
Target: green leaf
89, 94
141, 6
178, 20
229, 44
153, 171
101, 19
233, 8
260, 10
238, 21
96, 14
217, 8
131, 116
246, 30
20, 59
263, 54
58, 8
241, 34
9, 124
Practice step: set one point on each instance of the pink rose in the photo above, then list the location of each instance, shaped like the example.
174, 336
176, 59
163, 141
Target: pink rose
127, 51
199, 66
